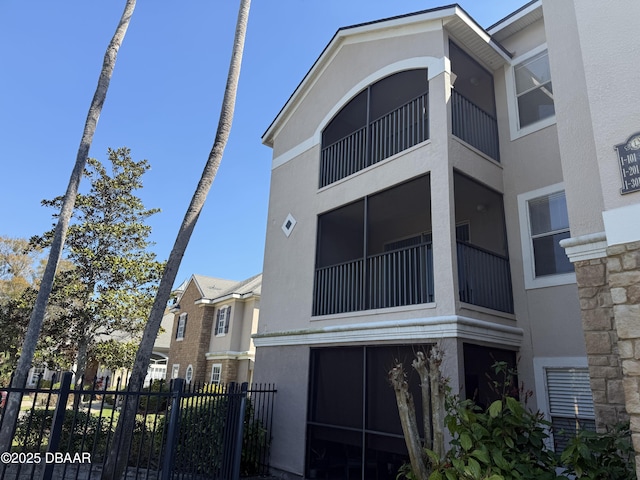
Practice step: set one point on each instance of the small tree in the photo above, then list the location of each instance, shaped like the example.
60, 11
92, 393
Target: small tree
111, 284
433, 408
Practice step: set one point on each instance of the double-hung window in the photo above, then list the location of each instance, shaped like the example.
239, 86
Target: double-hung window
223, 320
182, 326
216, 373
549, 223
544, 223
534, 90
531, 105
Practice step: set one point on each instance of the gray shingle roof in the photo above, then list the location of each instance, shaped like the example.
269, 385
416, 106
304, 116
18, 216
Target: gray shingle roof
213, 288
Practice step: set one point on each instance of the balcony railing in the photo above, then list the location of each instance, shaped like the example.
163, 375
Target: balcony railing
391, 279
392, 133
475, 126
484, 278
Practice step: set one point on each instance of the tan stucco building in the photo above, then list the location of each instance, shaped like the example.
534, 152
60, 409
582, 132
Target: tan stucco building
425, 172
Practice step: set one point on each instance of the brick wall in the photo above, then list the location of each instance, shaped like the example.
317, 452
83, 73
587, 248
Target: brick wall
192, 348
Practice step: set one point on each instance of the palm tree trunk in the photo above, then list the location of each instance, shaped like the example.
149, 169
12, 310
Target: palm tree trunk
66, 211
115, 465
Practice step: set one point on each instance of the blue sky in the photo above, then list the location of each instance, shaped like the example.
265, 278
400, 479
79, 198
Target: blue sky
163, 103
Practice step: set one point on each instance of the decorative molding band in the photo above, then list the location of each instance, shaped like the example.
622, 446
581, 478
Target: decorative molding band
292, 153
451, 326
585, 247
230, 355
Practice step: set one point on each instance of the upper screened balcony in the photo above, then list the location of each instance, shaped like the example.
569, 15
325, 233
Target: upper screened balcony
473, 108
392, 115
384, 119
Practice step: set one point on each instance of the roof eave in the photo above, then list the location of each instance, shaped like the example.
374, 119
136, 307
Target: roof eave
440, 13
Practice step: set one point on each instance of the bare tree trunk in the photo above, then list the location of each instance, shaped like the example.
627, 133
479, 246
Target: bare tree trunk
420, 365
407, 411
115, 465
437, 400
66, 211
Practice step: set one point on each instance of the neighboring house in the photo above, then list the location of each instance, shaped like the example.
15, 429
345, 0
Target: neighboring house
160, 353
211, 337
424, 174
157, 364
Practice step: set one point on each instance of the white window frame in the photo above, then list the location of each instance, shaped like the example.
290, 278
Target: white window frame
512, 98
528, 260
175, 370
188, 374
182, 326
216, 367
540, 367
221, 323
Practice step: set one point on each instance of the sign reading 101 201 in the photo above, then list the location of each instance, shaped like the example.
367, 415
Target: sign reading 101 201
629, 158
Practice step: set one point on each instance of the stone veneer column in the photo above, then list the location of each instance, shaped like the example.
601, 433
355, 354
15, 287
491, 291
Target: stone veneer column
601, 339
624, 280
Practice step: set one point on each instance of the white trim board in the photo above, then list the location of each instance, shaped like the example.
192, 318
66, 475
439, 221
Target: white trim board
434, 328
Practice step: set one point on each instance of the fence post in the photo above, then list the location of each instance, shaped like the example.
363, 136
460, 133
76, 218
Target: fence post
237, 451
174, 428
58, 422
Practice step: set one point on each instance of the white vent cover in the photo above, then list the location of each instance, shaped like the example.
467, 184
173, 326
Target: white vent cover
289, 223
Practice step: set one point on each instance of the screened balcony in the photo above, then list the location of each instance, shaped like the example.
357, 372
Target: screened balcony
376, 252
473, 111
484, 276
388, 117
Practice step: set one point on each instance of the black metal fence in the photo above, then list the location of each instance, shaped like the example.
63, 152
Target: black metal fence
181, 431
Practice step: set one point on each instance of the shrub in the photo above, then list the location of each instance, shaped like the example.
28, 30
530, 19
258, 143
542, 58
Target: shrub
200, 438
154, 403
597, 456
254, 442
80, 432
507, 441
504, 442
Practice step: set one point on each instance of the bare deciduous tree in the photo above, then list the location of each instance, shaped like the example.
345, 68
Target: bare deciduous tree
116, 464
66, 211
433, 406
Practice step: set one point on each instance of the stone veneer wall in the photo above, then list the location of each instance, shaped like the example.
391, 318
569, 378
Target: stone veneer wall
623, 264
601, 339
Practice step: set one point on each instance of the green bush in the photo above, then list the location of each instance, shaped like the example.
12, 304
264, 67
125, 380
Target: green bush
200, 438
254, 442
502, 443
154, 403
80, 432
507, 441
200, 443
597, 456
